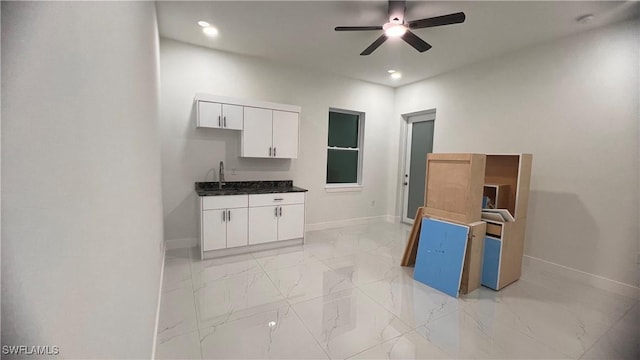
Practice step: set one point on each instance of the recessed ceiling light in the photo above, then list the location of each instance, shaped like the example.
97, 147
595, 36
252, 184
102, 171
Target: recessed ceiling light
210, 31
396, 75
585, 18
203, 23
391, 71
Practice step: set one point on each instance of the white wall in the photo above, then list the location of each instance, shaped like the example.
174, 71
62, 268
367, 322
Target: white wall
573, 103
81, 195
190, 154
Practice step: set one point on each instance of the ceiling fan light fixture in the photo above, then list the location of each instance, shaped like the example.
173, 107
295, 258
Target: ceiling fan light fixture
210, 31
394, 29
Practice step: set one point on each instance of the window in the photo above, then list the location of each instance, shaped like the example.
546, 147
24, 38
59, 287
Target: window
344, 148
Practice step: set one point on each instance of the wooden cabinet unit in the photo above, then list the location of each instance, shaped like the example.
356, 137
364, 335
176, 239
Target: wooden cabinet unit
454, 184
513, 170
504, 246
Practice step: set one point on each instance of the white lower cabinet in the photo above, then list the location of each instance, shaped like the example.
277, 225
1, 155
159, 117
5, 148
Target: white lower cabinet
225, 220
291, 222
270, 223
214, 230
237, 227
233, 221
264, 224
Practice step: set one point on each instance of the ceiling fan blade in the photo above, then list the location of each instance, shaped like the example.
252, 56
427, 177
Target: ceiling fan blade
396, 10
375, 45
417, 43
455, 18
357, 28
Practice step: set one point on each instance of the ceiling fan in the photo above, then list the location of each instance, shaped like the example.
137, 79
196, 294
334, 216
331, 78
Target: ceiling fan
397, 27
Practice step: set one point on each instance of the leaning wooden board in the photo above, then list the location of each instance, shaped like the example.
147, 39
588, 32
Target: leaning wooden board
472, 270
410, 252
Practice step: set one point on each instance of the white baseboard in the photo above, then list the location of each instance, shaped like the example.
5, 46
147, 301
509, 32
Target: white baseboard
393, 219
596, 281
349, 222
155, 328
180, 243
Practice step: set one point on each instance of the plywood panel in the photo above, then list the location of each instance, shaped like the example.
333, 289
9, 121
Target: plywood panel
472, 270
524, 185
409, 257
512, 251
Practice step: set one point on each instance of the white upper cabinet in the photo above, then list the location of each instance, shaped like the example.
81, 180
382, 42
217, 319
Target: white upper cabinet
219, 116
209, 114
269, 130
285, 134
270, 133
232, 116
256, 135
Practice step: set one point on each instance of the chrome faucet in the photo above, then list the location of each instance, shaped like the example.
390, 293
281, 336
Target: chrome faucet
221, 175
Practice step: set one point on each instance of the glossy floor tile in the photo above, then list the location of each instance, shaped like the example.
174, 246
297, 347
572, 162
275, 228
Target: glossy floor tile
348, 322
275, 334
343, 295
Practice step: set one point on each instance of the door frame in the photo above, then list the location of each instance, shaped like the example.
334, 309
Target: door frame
406, 158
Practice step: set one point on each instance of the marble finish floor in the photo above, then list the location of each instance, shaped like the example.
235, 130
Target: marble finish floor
343, 295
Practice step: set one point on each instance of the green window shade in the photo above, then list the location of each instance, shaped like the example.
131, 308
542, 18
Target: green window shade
342, 166
343, 130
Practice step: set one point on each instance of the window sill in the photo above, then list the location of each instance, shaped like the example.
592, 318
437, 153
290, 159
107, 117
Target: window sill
343, 188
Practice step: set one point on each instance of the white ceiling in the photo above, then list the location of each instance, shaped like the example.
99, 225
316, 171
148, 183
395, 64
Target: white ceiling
300, 33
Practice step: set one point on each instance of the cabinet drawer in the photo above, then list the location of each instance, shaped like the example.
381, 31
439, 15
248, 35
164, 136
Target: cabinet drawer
276, 199
224, 202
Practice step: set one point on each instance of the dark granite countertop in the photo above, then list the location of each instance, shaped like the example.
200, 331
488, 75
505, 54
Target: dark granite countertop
246, 187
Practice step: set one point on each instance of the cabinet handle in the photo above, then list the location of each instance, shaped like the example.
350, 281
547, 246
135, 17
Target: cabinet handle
229, 215
225, 121
269, 151
224, 216
219, 122
278, 199
274, 151
280, 210
276, 209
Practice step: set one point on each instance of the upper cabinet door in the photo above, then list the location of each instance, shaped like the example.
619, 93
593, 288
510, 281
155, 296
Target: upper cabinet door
232, 116
285, 134
257, 133
209, 114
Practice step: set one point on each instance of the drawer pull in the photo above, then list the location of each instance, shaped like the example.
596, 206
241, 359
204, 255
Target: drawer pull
278, 199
